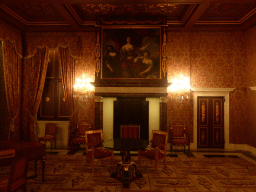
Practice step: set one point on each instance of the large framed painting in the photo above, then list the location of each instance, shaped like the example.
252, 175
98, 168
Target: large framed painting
131, 56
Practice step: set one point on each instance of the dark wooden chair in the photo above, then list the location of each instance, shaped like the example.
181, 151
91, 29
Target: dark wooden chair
50, 134
179, 136
95, 150
79, 135
130, 131
157, 150
17, 178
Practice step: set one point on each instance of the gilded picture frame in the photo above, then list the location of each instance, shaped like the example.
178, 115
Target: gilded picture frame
131, 55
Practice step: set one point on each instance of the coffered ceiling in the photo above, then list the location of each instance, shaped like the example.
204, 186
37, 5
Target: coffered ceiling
82, 15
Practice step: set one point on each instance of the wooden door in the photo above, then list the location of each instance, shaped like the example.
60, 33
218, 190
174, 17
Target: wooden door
210, 122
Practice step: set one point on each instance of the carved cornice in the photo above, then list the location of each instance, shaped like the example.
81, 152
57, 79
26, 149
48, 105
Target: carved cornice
253, 88
195, 89
132, 21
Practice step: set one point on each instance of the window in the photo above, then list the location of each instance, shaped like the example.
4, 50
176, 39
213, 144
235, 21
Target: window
52, 106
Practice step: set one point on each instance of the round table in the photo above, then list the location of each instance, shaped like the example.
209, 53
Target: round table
126, 144
126, 171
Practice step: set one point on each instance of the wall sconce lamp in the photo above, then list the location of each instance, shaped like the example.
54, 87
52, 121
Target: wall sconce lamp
180, 88
83, 89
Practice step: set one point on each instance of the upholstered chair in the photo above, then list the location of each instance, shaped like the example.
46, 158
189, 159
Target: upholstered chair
157, 149
130, 131
17, 178
50, 134
79, 135
179, 136
95, 150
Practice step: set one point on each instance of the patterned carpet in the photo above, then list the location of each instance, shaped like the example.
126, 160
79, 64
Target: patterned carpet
204, 172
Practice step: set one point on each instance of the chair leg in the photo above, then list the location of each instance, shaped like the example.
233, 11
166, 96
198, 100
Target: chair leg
24, 187
165, 163
51, 145
92, 166
156, 165
156, 160
171, 148
139, 157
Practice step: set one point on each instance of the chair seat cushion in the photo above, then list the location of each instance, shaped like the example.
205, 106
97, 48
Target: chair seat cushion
46, 138
78, 140
14, 186
99, 154
150, 154
180, 141
3, 184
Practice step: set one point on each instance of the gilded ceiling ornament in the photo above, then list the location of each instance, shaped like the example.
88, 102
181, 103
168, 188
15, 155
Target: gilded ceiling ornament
106, 9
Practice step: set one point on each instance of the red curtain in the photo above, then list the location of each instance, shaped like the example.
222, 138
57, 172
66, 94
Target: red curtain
12, 73
34, 73
67, 64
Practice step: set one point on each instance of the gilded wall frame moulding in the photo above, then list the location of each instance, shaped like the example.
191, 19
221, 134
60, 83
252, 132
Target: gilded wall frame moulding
131, 55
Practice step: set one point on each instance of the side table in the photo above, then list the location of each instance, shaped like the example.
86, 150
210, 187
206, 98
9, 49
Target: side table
126, 172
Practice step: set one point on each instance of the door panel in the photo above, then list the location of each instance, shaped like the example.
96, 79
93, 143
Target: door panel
210, 122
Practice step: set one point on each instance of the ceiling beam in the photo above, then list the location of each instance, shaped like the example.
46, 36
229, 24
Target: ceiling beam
197, 14
113, 1
62, 11
135, 1
248, 23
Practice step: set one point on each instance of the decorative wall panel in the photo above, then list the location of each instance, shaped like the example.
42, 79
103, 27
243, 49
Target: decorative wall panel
251, 81
210, 59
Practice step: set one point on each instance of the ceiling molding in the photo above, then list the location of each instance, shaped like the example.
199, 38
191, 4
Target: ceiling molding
66, 15
212, 89
200, 10
80, 15
253, 88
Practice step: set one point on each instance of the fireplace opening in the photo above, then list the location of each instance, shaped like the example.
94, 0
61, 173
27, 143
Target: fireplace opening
134, 110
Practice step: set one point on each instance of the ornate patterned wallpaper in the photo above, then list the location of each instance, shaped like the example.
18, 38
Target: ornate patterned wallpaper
211, 59
251, 81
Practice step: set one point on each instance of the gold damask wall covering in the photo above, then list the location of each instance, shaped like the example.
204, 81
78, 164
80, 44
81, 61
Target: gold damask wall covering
251, 81
215, 59
212, 60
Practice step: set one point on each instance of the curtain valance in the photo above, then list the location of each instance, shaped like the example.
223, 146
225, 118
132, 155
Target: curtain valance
53, 41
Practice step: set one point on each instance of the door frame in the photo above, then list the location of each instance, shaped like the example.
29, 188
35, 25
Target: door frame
212, 92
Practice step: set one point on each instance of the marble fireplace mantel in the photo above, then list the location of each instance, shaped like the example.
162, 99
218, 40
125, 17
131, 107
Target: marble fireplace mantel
131, 91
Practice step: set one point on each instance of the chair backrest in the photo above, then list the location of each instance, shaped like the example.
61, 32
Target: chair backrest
50, 129
130, 131
93, 138
18, 171
159, 139
178, 131
81, 128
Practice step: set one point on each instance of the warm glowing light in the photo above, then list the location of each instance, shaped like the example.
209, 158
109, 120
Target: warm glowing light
180, 88
83, 87
181, 84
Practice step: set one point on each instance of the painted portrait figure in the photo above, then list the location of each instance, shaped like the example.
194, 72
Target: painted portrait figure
131, 53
